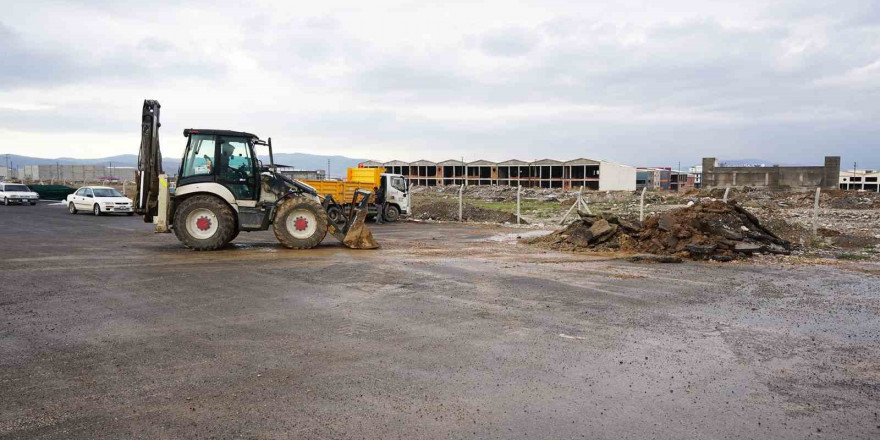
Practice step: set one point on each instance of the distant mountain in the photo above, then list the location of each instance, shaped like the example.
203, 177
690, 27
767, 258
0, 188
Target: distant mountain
338, 164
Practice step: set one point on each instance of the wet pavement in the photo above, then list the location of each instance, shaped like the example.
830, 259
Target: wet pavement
110, 331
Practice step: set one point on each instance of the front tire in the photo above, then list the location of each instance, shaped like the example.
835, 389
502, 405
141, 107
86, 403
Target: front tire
301, 223
71, 208
392, 214
96, 210
6, 201
204, 223
33, 203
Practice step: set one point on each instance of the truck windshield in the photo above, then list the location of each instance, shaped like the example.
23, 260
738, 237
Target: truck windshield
17, 188
106, 192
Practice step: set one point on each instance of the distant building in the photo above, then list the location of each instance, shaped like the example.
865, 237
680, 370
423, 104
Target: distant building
775, 177
648, 178
294, 173
600, 175
697, 172
866, 180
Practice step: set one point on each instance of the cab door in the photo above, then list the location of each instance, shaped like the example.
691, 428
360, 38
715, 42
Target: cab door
397, 189
237, 168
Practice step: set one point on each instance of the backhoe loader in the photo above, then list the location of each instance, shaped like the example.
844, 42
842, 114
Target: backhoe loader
223, 189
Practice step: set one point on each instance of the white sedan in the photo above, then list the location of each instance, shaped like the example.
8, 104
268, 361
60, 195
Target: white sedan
99, 200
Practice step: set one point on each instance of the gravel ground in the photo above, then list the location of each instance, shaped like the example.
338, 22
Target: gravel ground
449, 331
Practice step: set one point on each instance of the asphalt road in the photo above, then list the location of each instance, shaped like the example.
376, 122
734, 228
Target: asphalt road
108, 331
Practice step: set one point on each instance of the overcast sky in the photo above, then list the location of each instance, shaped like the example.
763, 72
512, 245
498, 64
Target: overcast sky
643, 83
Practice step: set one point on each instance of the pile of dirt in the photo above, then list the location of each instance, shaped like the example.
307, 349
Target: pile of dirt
447, 210
707, 230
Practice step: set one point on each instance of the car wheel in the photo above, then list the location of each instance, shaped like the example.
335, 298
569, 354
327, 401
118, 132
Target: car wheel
33, 203
70, 208
392, 214
97, 209
129, 214
204, 223
6, 201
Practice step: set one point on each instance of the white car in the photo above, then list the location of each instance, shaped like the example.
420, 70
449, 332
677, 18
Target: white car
99, 200
17, 193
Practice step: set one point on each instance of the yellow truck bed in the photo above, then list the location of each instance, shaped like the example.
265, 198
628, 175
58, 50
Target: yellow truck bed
343, 191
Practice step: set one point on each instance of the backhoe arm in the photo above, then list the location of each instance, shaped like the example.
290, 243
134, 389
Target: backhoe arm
149, 163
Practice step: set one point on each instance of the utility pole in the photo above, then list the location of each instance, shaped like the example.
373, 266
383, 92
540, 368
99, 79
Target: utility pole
328, 169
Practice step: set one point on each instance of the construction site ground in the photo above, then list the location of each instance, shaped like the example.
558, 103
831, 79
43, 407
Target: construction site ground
109, 331
848, 225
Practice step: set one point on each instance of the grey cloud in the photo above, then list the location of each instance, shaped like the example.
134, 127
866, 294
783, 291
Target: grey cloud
508, 42
149, 61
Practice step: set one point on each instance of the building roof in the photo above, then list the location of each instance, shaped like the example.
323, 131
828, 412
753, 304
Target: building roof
547, 162
449, 162
481, 163
423, 163
395, 163
371, 163
513, 162
581, 161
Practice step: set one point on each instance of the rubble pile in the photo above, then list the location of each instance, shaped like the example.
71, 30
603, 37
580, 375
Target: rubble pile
707, 230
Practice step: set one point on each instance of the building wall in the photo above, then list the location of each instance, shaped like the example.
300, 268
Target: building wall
616, 177
781, 178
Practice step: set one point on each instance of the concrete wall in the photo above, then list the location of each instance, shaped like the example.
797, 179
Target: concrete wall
616, 177
67, 173
780, 178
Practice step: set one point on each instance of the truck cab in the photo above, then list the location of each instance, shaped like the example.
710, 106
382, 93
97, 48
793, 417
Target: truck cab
397, 196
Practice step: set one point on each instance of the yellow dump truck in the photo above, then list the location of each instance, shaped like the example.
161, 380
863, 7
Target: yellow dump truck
394, 186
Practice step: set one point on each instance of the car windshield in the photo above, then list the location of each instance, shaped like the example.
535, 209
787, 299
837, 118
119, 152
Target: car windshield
106, 192
17, 188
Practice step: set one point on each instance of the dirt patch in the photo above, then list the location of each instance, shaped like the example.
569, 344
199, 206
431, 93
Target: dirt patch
709, 230
442, 209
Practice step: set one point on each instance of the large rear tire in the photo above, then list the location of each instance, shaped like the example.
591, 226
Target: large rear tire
204, 223
301, 223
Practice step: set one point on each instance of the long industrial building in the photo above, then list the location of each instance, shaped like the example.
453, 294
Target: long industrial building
592, 174
75, 173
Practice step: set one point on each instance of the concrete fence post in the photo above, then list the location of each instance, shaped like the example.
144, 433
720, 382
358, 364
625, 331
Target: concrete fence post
460, 205
642, 204
518, 191
816, 212
726, 192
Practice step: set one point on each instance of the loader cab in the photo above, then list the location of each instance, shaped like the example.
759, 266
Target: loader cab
224, 157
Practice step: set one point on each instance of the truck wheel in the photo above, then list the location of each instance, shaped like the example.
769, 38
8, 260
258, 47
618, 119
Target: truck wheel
71, 208
301, 223
392, 214
334, 214
204, 223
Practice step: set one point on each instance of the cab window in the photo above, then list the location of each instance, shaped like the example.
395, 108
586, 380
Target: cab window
398, 183
235, 159
199, 159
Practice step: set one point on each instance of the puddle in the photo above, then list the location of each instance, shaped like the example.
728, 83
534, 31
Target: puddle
513, 237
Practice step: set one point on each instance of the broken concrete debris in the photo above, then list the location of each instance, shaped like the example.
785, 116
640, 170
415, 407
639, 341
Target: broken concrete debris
712, 230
